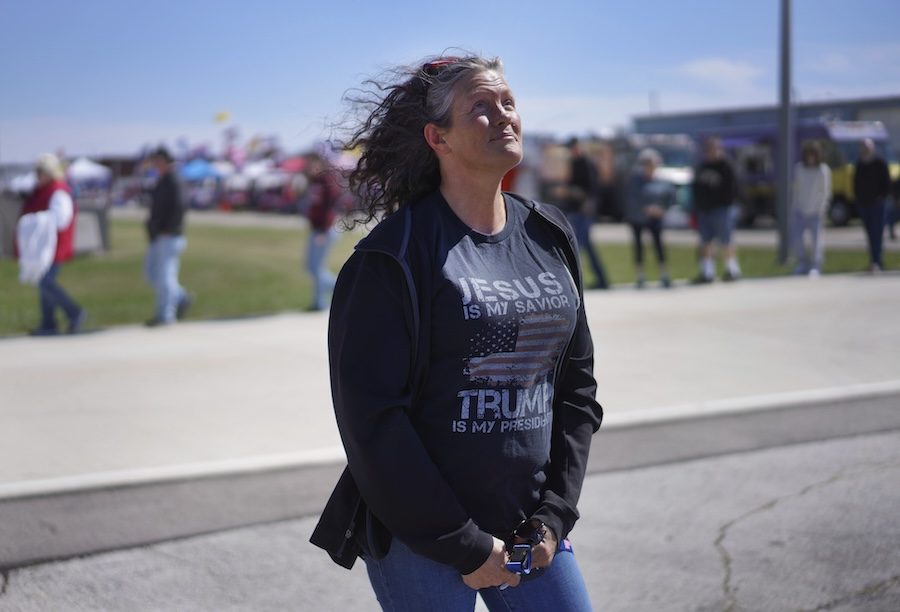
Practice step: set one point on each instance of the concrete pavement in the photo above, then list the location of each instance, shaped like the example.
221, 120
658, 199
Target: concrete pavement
211, 425
804, 527
132, 403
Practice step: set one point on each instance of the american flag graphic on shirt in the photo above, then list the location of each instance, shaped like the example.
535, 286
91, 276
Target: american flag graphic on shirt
517, 352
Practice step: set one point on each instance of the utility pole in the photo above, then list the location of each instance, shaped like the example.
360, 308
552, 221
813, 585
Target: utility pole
784, 156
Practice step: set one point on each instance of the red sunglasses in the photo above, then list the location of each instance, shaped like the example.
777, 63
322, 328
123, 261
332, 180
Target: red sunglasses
432, 68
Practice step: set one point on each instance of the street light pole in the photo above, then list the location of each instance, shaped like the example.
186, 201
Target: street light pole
784, 155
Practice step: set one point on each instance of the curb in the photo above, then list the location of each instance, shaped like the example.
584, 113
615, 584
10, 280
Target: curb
59, 518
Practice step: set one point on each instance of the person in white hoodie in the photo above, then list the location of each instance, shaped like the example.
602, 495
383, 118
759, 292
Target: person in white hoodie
809, 202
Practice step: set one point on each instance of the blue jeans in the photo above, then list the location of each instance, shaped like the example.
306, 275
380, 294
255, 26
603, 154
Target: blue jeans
801, 224
872, 215
581, 225
406, 582
161, 268
52, 296
316, 258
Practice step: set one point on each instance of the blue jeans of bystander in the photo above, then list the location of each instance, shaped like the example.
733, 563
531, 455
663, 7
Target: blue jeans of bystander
872, 215
53, 296
161, 267
801, 224
581, 225
316, 262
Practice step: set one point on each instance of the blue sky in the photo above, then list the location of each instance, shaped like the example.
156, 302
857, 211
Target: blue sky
101, 76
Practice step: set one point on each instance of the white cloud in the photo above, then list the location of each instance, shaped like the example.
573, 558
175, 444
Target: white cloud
831, 63
578, 114
848, 71
866, 61
723, 74
564, 115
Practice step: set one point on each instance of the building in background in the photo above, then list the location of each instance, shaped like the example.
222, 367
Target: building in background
749, 136
883, 109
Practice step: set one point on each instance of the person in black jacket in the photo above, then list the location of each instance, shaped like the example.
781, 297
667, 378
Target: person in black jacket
872, 187
714, 191
165, 230
461, 359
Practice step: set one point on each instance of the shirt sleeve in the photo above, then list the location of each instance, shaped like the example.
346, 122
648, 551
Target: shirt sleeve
62, 208
370, 354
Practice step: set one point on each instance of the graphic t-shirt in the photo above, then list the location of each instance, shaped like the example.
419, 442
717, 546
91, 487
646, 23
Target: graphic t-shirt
503, 311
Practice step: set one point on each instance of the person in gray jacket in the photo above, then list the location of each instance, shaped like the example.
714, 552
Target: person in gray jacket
645, 204
809, 202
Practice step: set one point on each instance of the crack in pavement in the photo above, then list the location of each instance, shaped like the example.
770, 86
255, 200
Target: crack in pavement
869, 590
728, 590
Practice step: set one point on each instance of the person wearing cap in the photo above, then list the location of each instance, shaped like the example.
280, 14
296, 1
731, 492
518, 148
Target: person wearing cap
165, 229
52, 194
645, 205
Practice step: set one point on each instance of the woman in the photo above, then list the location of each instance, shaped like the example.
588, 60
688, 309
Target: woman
812, 192
647, 202
52, 194
461, 361
324, 193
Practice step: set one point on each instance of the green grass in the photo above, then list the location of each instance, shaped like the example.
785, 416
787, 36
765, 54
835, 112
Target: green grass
246, 271
755, 262
232, 271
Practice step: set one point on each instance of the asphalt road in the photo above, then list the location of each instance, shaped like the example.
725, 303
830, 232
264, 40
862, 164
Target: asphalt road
809, 526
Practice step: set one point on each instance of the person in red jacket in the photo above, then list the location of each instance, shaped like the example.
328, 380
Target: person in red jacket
324, 195
52, 194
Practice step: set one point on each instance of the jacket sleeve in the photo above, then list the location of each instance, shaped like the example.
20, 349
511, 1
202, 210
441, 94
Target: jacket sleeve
731, 181
826, 186
62, 207
576, 417
370, 354
884, 179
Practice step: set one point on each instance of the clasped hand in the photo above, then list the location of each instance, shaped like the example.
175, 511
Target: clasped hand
493, 571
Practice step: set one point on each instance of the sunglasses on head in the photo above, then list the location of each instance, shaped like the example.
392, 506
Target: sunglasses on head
432, 68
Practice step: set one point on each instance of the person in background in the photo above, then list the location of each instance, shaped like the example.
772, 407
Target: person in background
165, 230
579, 202
323, 199
460, 356
715, 189
872, 187
53, 194
892, 213
646, 203
809, 203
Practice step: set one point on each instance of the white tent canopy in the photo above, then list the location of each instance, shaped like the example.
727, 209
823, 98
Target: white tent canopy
83, 169
24, 183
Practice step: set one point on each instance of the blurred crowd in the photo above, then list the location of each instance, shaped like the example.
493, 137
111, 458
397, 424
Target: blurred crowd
648, 182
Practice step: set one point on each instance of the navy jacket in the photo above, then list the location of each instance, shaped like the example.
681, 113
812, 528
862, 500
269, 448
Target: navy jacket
391, 488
